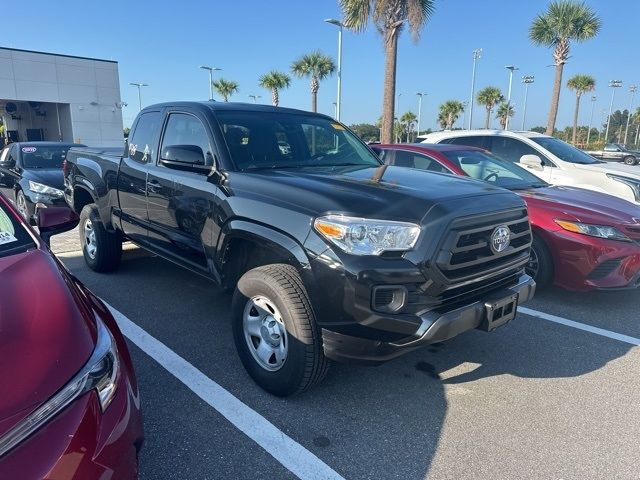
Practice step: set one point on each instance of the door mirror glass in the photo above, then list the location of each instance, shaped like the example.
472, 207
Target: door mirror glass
54, 220
531, 161
189, 154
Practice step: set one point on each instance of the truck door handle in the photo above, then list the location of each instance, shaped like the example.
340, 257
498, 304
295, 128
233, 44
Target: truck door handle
153, 186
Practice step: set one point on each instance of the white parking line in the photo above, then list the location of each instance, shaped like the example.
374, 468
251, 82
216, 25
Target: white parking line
580, 326
283, 448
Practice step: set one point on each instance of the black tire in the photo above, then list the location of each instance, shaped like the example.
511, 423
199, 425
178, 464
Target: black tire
108, 251
543, 274
630, 160
305, 364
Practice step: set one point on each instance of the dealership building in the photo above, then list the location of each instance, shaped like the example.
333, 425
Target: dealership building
46, 96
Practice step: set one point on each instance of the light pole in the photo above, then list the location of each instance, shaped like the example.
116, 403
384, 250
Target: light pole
139, 85
335, 109
527, 80
632, 90
420, 95
255, 97
338, 24
477, 53
593, 104
613, 84
511, 69
211, 70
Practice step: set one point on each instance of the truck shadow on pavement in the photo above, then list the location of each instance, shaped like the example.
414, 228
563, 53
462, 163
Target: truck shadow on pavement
365, 422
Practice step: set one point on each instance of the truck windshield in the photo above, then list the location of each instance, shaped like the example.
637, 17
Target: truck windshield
286, 140
487, 167
564, 151
43, 157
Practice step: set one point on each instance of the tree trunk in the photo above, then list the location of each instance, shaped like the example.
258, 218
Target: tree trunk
315, 85
488, 119
575, 119
555, 99
275, 98
388, 99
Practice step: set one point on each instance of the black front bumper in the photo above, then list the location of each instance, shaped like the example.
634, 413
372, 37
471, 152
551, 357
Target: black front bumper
436, 326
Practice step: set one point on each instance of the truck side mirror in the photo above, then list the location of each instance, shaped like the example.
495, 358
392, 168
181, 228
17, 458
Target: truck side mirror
533, 162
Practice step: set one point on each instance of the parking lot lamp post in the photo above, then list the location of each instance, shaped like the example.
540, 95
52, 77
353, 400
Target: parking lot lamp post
613, 84
338, 24
255, 97
211, 70
420, 95
511, 69
139, 85
632, 90
593, 104
527, 80
477, 53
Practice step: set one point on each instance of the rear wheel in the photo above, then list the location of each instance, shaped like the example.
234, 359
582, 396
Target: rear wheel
540, 265
101, 249
630, 160
275, 331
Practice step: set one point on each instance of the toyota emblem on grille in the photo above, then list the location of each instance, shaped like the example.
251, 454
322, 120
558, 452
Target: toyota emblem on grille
500, 239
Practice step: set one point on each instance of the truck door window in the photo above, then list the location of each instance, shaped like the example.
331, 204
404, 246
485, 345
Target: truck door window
184, 129
142, 142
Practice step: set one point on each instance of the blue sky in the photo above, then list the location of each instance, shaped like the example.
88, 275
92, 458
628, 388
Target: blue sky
163, 43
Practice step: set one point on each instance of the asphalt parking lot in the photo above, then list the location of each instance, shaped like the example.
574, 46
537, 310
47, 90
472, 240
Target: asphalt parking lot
535, 399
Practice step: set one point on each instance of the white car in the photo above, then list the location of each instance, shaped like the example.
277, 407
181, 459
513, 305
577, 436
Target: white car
552, 160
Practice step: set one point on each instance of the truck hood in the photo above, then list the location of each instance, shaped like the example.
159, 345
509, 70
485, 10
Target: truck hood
45, 337
631, 171
385, 192
582, 205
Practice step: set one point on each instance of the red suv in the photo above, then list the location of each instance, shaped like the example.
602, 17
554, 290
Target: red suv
69, 402
583, 240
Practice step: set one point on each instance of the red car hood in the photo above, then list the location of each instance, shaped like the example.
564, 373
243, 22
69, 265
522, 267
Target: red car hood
45, 337
584, 205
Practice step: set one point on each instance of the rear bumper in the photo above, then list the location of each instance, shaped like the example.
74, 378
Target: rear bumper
586, 263
436, 326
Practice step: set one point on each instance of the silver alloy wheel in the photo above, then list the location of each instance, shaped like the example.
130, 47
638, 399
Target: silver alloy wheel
21, 205
533, 265
90, 239
265, 333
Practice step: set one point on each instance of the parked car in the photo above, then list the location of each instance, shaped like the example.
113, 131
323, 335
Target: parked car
582, 240
69, 407
332, 255
550, 159
33, 170
615, 152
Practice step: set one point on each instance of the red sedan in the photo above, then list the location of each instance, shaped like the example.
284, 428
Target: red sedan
583, 240
69, 402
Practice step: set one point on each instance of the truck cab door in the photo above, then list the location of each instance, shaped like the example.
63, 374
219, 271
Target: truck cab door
132, 175
181, 195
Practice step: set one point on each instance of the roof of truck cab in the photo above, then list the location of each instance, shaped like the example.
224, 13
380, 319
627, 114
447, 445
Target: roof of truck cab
234, 106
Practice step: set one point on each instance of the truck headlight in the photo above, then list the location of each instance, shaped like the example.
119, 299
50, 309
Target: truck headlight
44, 189
362, 236
99, 374
633, 184
600, 231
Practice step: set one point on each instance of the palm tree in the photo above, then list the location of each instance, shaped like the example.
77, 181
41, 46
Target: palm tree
275, 81
225, 88
489, 97
504, 110
564, 21
580, 84
390, 17
408, 121
449, 112
317, 66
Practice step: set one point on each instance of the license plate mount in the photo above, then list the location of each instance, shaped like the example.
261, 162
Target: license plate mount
500, 312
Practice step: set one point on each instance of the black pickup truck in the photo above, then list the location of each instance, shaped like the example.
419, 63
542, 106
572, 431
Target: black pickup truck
332, 255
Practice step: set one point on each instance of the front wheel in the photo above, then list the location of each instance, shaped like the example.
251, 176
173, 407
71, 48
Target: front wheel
275, 331
630, 160
21, 205
101, 249
540, 265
